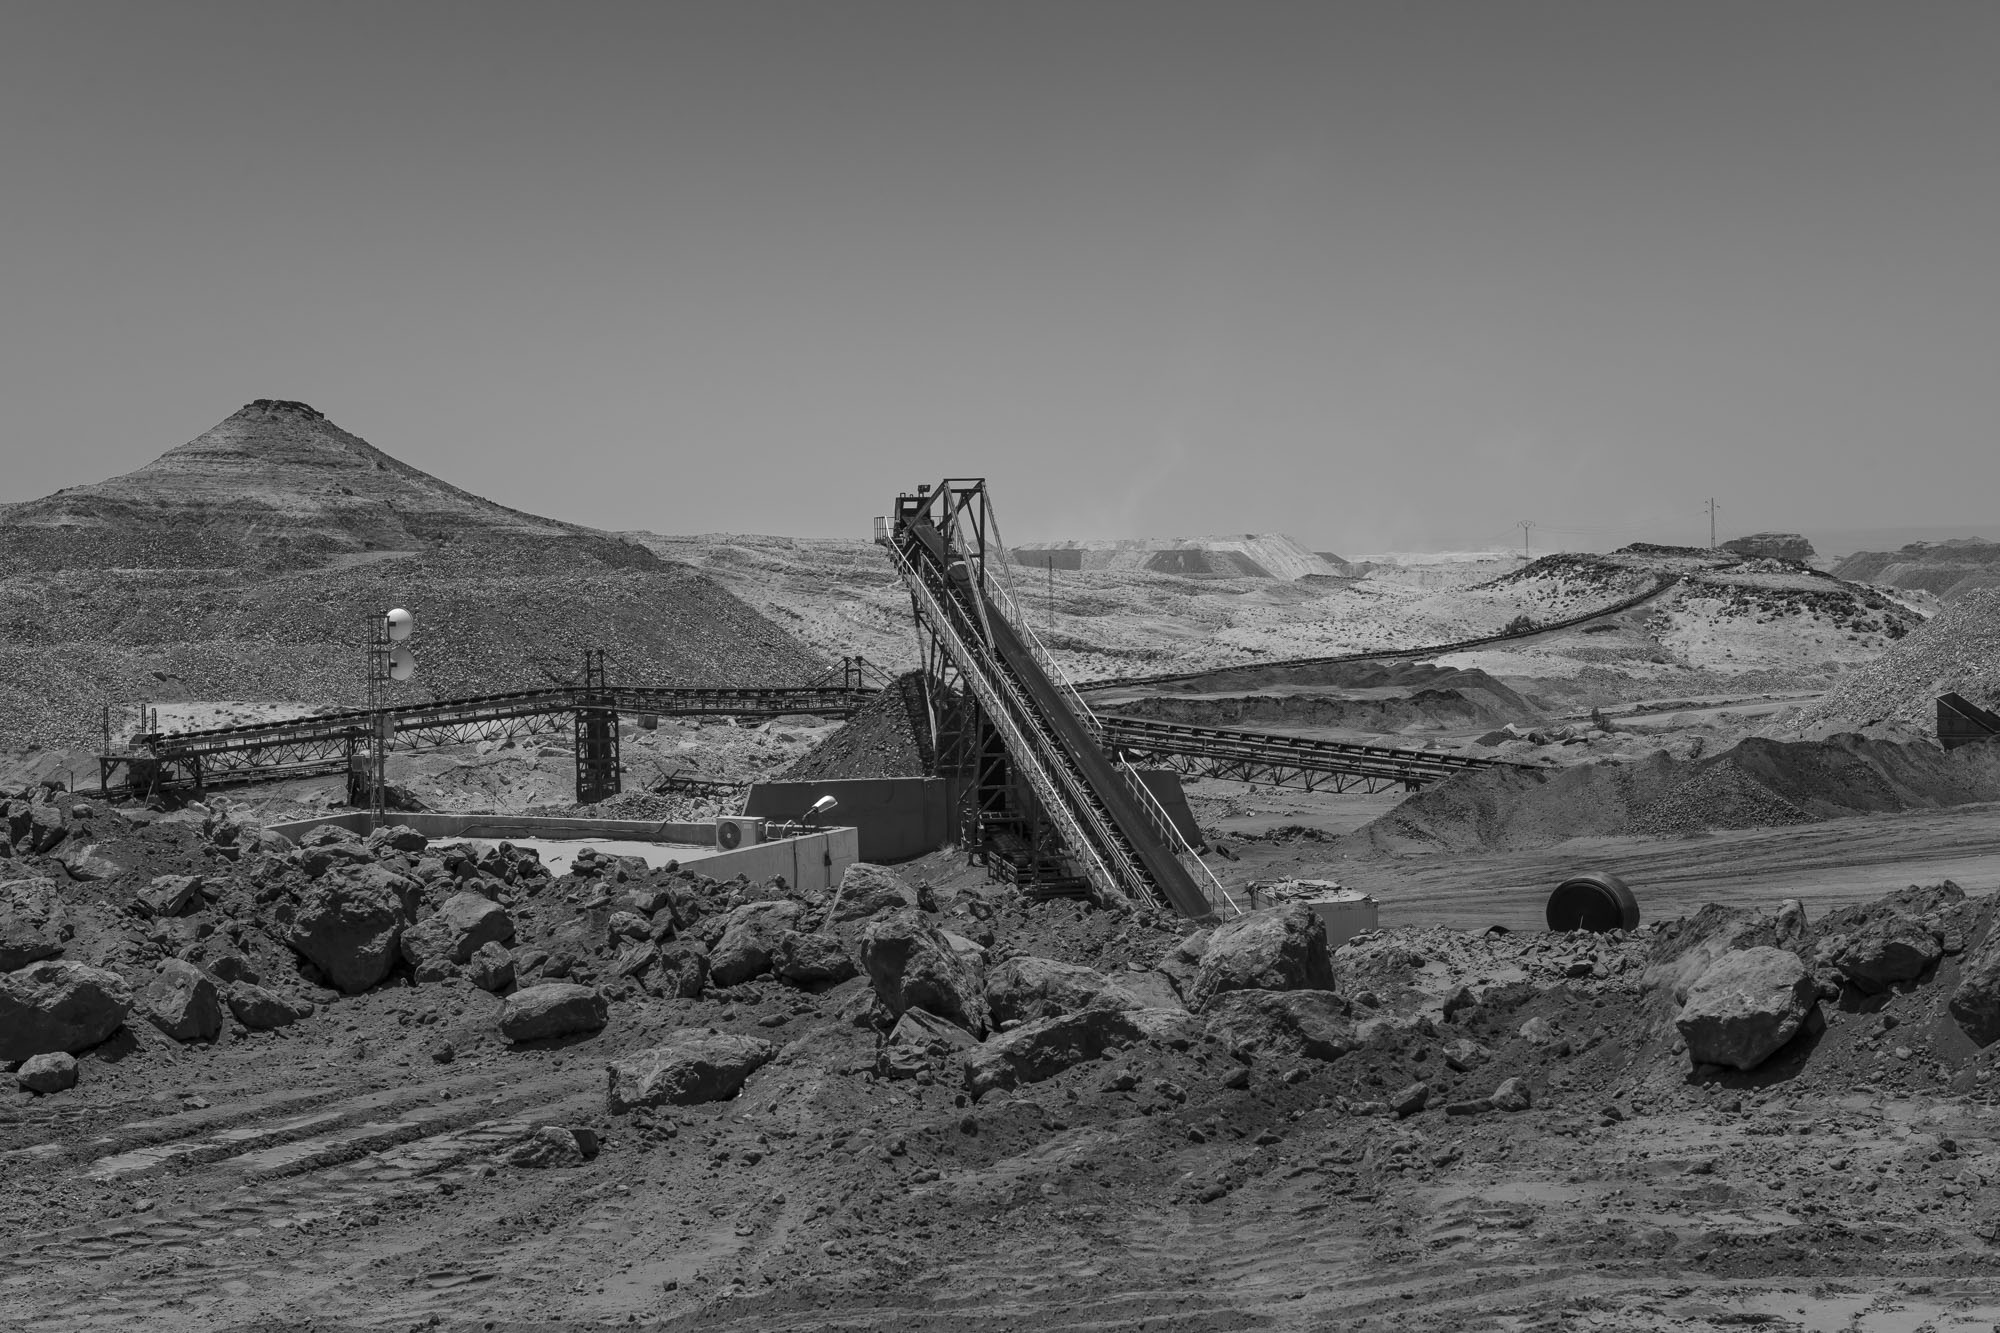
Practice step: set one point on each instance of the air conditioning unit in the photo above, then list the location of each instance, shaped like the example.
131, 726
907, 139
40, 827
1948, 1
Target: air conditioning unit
733, 831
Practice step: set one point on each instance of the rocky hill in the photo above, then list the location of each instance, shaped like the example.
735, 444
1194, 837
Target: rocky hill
244, 563
1948, 568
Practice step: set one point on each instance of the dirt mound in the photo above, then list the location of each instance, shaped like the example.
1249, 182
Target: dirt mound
1958, 651
1757, 783
888, 739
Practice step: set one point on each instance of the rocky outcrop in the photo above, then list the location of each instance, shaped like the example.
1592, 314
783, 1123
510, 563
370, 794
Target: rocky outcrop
55, 1005
1772, 546
350, 928
1026, 988
552, 1009
1747, 1005
1282, 1025
912, 965
183, 1001
691, 1067
1279, 948
1975, 1001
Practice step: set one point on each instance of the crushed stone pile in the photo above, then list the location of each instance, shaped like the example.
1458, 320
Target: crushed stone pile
1756, 783
890, 738
1958, 651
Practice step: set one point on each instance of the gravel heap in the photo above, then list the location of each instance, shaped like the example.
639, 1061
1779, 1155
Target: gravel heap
1958, 651
888, 739
1755, 784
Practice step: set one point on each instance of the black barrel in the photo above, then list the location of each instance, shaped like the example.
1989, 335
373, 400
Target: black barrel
1592, 902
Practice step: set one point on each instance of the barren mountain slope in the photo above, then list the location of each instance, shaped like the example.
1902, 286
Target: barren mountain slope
244, 564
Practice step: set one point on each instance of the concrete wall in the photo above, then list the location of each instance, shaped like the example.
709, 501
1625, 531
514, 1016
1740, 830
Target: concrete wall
898, 818
901, 818
812, 861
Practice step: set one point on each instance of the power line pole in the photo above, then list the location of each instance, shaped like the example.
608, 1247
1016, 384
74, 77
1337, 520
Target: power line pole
1712, 507
1524, 525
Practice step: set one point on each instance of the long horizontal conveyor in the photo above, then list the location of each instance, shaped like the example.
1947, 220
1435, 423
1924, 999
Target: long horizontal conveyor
1287, 761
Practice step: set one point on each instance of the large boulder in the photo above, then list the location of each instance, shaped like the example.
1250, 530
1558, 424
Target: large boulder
912, 965
680, 970
1279, 948
350, 927
552, 1009
1885, 951
48, 824
491, 967
262, 1010
749, 938
1046, 1047
921, 1042
455, 932
1283, 1025
1027, 988
183, 1001
1975, 1001
33, 923
813, 960
1745, 1006
51, 1071
54, 1005
690, 1066
869, 890
169, 895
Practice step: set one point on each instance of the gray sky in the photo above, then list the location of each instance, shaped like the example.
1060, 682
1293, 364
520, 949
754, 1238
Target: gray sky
1378, 275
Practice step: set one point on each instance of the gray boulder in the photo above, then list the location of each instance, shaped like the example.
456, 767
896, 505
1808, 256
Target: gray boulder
812, 960
750, 936
550, 1145
691, 1066
912, 966
1046, 1047
1027, 988
552, 1009
397, 838
54, 1005
869, 890
680, 970
921, 1042
1282, 1025
453, 933
350, 928
1745, 1006
1887, 950
169, 895
1975, 1001
51, 1071
183, 1001
263, 1010
48, 824
491, 967
1279, 948
33, 923
84, 861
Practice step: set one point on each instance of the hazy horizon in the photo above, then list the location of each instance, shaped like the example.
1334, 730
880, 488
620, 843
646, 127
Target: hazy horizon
1377, 276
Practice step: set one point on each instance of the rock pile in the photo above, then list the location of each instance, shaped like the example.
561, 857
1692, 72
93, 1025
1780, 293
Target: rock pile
1957, 651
